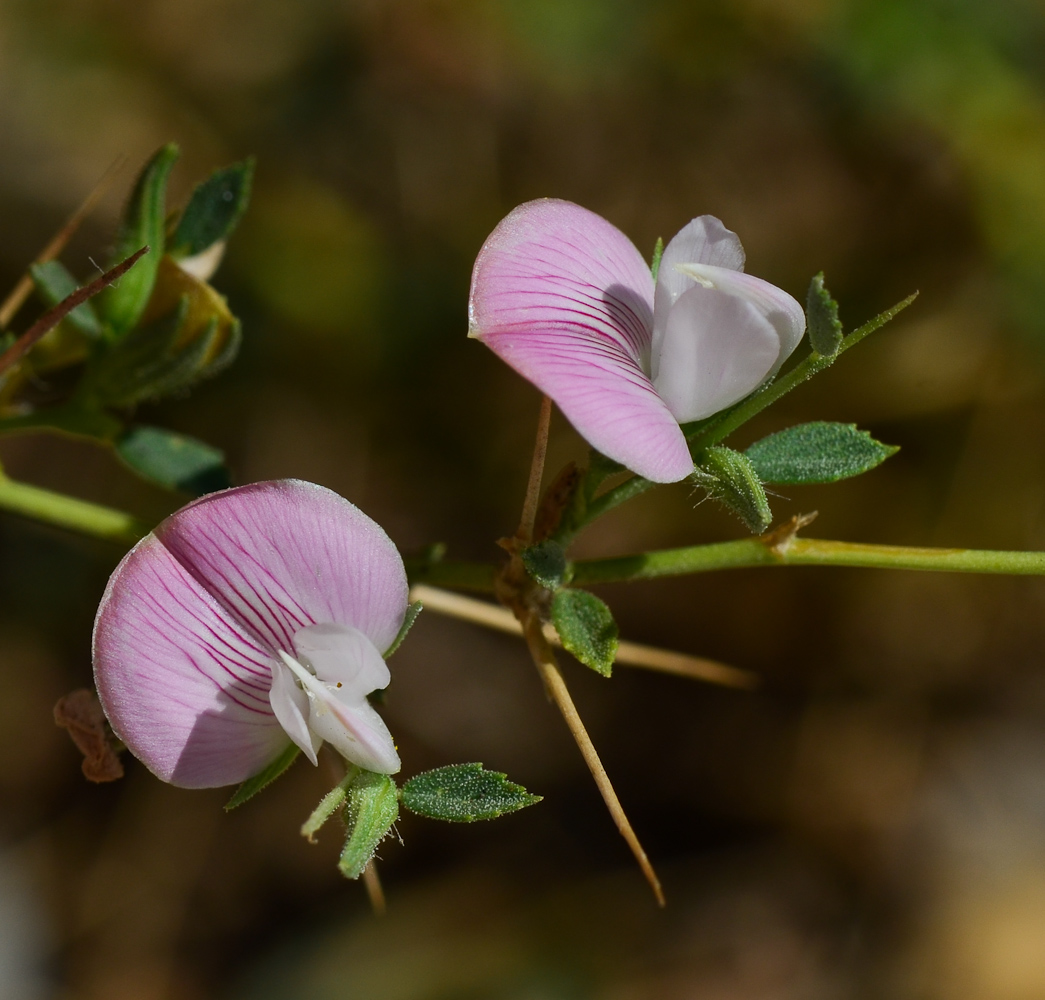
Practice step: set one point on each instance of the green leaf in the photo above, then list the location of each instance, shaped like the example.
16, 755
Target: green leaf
658, 252
55, 283
174, 461
412, 611
822, 322
731, 478
373, 806
587, 629
464, 793
819, 452
546, 563
252, 786
123, 304
214, 210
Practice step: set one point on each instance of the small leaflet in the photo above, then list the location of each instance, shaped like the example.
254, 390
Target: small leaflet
464, 793
817, 452
587, 628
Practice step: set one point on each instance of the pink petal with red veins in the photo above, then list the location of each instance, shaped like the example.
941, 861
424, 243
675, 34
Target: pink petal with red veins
280, 556
566, 300
182, 684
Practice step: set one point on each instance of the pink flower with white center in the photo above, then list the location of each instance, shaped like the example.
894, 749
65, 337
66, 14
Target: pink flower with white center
251, 618
566, 299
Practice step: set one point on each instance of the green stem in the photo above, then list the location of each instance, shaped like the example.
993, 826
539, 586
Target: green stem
804, 552
68, 512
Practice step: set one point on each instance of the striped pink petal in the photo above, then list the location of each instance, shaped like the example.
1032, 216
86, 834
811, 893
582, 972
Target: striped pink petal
189, 632
566, 300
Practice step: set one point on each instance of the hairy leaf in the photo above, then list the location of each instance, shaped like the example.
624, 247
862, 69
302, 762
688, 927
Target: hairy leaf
822, 322
819, 452
123, 303
412, 611
546, 563
464, 793
586, 627
213, 211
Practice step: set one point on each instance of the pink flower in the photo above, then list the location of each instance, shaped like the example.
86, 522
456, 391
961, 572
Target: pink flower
251, 618
564, 297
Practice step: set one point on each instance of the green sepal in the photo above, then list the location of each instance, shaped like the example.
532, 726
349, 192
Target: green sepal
412, 611
373, 806
173, 461
329, 804
818, 452
214, 210
153, 361
546, 563
586, 628
658, 253
263, 778
54, 283
822, 323
122, 305
464, 793
731, 478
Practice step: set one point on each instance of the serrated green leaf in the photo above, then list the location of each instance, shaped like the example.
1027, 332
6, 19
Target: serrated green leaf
464, 793
174, 461
818, 452
373, 806
55, 283
546, 563
822, 322
213, 211
122, 305
252, 786
732, 480
658, 253
412, 611
587, 629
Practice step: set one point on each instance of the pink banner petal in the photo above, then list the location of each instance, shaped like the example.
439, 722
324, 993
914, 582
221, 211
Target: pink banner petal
566, 300
182, 685
280, 556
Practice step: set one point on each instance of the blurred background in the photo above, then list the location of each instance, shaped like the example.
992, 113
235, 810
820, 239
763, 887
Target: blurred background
872, 822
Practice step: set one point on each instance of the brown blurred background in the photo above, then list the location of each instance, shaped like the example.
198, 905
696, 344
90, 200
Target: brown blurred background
872, 823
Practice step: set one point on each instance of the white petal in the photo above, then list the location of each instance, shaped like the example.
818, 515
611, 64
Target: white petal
340, 654
355, 731
716, 349
349, 724
782, 310
703, 241
290, 704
